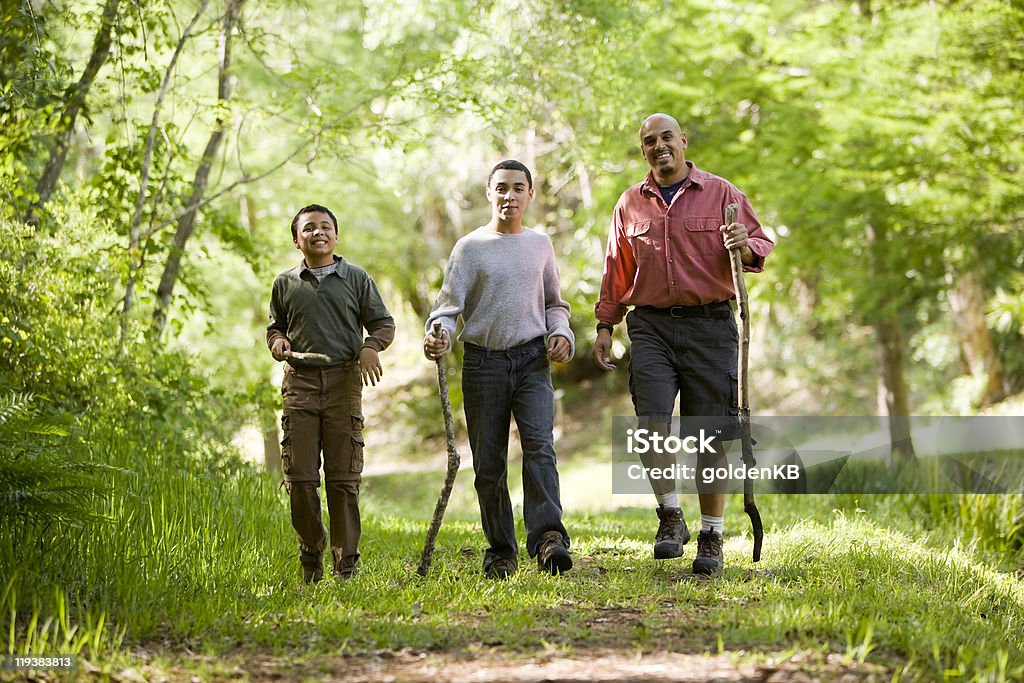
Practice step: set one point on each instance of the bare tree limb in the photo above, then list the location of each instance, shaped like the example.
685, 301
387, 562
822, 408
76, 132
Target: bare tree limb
196, 203
74, 98
147, 157
186, 222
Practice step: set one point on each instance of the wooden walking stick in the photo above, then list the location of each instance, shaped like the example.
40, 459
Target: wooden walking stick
453, 461
307, 356
749, 506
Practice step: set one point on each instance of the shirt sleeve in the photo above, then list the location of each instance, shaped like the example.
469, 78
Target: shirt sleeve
375, 318
556, 309
619, 272
380, 338
758, 241
278, 327
451, 300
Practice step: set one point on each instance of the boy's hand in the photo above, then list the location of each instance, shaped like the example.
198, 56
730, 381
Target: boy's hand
559, 349
435, 347
369, 366
280, 347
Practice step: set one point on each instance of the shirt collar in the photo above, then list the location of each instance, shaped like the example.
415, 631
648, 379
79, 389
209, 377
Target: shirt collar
695, 177
341, 272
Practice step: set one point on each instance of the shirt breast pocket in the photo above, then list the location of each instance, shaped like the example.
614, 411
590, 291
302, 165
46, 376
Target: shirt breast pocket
702, 223
702, 233
640, 238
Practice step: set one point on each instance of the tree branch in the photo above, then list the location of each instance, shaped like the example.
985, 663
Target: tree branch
147, 157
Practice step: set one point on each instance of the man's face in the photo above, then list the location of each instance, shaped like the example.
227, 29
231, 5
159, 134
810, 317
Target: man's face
509, 193
664, 148
315, 235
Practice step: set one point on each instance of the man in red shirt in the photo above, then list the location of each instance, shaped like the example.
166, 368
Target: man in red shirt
668, 257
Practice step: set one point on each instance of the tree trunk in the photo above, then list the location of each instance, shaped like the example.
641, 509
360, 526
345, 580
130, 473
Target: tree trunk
74, 99
893, 396
967, 302
271, 439
186, 223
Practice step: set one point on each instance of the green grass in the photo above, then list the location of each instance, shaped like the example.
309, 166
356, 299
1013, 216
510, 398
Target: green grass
202, 560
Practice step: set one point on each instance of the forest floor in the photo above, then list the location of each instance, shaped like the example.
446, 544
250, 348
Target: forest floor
493, 664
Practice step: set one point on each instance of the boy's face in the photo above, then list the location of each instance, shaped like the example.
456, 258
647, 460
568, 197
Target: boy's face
315, 236
509, 193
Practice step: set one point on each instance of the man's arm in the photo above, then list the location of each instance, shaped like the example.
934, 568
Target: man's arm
619, 273
747, 234
561, 340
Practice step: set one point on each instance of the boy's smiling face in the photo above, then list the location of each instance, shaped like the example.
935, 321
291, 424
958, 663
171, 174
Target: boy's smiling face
316, 237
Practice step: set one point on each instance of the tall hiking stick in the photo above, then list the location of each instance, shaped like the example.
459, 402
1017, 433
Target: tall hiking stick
453, 461
749, 506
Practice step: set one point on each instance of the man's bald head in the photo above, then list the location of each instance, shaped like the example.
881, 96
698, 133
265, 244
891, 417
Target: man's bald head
663, 144
659, 118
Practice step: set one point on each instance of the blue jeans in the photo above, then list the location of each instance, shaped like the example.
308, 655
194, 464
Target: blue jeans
497, 385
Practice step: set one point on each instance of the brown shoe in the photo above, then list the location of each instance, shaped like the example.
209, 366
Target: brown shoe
672, 534
346, 573
312, 566
709, 554
552, 555
344, 567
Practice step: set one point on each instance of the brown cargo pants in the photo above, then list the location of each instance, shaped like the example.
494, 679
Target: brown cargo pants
323, 414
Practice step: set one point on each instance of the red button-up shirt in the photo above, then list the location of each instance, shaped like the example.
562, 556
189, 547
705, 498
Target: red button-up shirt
674, 255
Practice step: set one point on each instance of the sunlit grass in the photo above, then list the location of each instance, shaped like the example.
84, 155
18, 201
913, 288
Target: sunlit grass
206, 561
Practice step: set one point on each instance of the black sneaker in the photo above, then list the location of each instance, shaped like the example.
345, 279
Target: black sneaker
552, 555
709, 553
672, 534
312, 566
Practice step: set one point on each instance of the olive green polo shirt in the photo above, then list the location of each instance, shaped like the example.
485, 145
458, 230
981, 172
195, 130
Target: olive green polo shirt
329, 316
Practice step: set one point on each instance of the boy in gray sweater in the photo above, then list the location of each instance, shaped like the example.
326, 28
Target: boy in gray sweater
503, 280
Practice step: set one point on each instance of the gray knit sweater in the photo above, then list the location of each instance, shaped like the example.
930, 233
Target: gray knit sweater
505, 287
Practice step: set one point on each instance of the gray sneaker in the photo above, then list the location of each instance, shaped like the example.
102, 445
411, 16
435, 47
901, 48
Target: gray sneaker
501, 568
709, 554
553, 557
672, 534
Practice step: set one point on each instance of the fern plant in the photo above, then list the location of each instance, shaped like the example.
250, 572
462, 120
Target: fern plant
42, 479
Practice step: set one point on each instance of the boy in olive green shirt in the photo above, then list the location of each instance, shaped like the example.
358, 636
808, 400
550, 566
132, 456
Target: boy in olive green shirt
322, 306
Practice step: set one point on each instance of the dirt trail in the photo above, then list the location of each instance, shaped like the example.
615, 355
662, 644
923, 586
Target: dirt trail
490, 665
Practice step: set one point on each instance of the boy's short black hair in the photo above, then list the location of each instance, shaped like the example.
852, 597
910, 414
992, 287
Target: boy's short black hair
511, 165
310, 209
